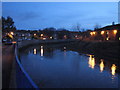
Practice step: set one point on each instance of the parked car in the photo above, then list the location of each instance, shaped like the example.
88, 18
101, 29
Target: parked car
4, 40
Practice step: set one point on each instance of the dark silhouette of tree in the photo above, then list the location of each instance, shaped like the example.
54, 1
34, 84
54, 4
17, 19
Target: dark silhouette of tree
3, 23
77, 27
97, 26
61, 34
8, 24
49, 31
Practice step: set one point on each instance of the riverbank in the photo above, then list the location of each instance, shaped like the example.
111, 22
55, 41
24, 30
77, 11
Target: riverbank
108, 49
104, 49
27, 43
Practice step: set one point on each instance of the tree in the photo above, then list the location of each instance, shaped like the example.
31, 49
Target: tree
64, 34
97, 26
49, 31
77, 27
8, 24
3, 23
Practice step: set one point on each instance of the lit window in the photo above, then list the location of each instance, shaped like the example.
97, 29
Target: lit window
102, 32
107, 32
41, 35
115, 31
107, 38
92, 33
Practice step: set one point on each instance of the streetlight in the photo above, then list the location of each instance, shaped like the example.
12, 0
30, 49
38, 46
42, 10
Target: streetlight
51, 37
12, 33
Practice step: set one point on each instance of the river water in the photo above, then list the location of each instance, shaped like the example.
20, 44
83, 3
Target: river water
56, 66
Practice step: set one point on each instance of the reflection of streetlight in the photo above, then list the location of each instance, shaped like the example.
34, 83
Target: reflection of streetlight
35, 51
101, 66
42, 51
91, 61
113, 69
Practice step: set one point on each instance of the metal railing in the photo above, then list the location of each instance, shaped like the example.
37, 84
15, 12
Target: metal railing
23, 80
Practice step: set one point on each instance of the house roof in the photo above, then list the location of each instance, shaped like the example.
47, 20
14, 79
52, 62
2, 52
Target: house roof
110, 27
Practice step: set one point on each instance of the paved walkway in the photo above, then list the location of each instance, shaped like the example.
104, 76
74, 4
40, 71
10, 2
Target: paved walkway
7, 64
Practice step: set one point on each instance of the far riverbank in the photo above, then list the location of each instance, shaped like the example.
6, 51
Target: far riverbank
106, 49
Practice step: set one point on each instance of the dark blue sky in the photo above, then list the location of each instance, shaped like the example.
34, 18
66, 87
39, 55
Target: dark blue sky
39, 15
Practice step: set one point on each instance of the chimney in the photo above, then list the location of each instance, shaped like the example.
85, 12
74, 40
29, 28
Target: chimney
113, 23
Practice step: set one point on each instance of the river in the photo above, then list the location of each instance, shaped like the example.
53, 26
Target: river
58, 66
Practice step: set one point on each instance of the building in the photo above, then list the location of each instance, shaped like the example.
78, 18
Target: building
111, 32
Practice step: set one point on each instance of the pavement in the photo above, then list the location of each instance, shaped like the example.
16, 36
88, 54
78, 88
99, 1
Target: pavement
8, 58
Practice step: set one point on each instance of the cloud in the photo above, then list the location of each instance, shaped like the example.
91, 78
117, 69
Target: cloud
28, 16
41, 15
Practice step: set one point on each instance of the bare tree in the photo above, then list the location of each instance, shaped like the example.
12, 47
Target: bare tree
76, 27
97, 26
82, 29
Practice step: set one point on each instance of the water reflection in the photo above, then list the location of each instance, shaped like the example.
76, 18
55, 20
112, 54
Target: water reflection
41, 54
35, 51
113, 69
61, 64
64, 48
64, 51
101, 66
91, 61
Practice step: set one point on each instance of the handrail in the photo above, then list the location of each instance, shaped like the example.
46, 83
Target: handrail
23, 70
